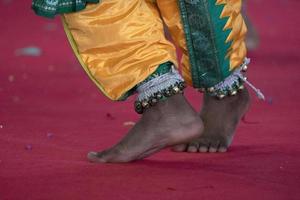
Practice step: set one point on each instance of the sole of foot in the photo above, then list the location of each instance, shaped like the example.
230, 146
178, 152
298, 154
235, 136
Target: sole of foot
168, 123
220, 118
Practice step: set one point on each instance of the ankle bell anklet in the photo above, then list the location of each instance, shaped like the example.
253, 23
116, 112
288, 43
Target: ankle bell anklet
158, 89
233, 84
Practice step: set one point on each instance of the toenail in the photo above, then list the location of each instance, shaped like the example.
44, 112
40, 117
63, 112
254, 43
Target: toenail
203, 149
180, 148
212, 150
192, 149
222, 150
92, 154
94, 157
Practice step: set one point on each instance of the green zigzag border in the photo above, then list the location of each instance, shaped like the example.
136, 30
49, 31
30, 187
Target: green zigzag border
204, 75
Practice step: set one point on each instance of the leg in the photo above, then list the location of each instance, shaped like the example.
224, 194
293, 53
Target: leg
166, 124
119, 43
129, 46
171, 15
220, 117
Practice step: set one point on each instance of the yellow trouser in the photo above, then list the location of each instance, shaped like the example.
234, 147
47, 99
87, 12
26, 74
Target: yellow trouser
121, 42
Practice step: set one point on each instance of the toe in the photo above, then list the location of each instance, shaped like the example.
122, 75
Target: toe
179, 148
222, 149
224, 144
95, 157
113, 155
203, 145
203, 149
192, 148
213, 148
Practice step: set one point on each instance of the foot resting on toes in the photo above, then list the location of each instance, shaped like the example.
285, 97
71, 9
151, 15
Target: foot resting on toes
168, 123
220, 118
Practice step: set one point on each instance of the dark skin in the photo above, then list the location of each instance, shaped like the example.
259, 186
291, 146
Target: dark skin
220, 118
168, 123
175, 123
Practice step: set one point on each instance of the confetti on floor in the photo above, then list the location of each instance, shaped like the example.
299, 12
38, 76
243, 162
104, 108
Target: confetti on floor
29, 51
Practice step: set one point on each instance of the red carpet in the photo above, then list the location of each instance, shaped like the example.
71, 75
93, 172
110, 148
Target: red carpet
51, 115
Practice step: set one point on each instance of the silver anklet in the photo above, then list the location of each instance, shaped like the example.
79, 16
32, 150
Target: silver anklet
233, 83
158, 89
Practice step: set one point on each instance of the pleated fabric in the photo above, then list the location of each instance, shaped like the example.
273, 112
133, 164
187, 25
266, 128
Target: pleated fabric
121, 43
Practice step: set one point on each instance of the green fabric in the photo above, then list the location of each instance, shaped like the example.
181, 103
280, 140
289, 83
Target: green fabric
161, 69
205, 41
50, 8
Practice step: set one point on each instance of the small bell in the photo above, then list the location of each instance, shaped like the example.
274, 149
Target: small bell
244, 68
176, 89
138, 107
182, 85
241, 87
145, 104
153, 101
168, 93
159, 96
233, 92
211, 89
221, 96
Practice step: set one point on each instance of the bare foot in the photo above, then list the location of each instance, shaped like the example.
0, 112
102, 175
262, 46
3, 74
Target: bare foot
220, 118
166, 124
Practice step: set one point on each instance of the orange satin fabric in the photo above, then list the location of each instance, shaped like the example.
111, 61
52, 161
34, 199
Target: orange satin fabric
171, 15
121, 43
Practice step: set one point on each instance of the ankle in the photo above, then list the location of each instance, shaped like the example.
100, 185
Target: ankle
169, 105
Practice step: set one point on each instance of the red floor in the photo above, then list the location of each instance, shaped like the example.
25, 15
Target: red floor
51, 115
